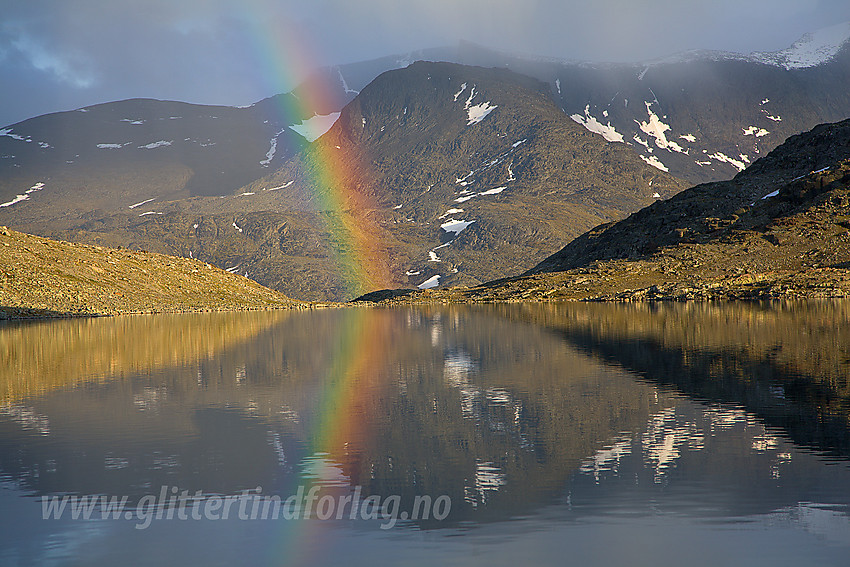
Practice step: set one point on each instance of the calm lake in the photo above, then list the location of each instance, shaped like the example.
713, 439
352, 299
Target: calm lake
562, 434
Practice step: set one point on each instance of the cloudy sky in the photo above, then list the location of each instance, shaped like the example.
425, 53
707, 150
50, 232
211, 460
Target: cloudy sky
64, 54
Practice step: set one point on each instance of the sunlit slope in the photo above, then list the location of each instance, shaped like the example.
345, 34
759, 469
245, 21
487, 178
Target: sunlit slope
43, 277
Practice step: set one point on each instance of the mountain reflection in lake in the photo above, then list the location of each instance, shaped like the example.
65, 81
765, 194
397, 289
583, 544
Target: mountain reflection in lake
692, 434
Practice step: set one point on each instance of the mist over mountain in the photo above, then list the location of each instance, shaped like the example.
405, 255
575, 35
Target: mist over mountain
219, 52
702, 115
453, 173
459, 174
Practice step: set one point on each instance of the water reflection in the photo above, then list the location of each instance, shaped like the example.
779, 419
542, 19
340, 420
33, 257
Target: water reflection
559, 414
406, 403
38, 356
787, 363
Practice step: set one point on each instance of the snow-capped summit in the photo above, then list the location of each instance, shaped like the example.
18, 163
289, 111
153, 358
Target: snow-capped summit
811, 50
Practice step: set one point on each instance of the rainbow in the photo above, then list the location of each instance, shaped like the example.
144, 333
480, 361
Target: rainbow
357, 369
356, 242
355, 382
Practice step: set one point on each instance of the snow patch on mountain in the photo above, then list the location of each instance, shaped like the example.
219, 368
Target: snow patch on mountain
689, 138
272, 150
314, 127
430, 283
142, 203
655, 128
25, 196
344, 83
461, 180
754, 131
642, 142
479, 112
110, 146
270, 153
432, 254
159, 144
8, 132
720, 156
460, 92
471, 96
476, 112
465, 198
450, 212
592, 124
284, 186
493, 191
654, 162
456, 226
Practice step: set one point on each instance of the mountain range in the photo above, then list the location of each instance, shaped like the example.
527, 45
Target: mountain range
778, 230
429, 174
701, 115
448, 174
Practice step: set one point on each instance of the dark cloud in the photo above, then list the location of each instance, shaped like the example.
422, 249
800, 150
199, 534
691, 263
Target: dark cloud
62, 54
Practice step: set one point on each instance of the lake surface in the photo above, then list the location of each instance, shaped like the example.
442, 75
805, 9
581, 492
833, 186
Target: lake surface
563, 434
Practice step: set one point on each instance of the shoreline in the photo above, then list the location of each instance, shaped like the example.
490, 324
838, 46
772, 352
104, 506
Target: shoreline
42, 279
643, 295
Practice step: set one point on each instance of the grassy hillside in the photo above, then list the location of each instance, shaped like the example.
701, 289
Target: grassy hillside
42, 277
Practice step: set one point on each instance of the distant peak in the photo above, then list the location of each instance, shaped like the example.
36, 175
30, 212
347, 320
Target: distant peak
811, 50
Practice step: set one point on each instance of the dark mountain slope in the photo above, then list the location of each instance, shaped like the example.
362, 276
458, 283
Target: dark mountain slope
113, 155
781, 229
701, 211
438, 143
419, 177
